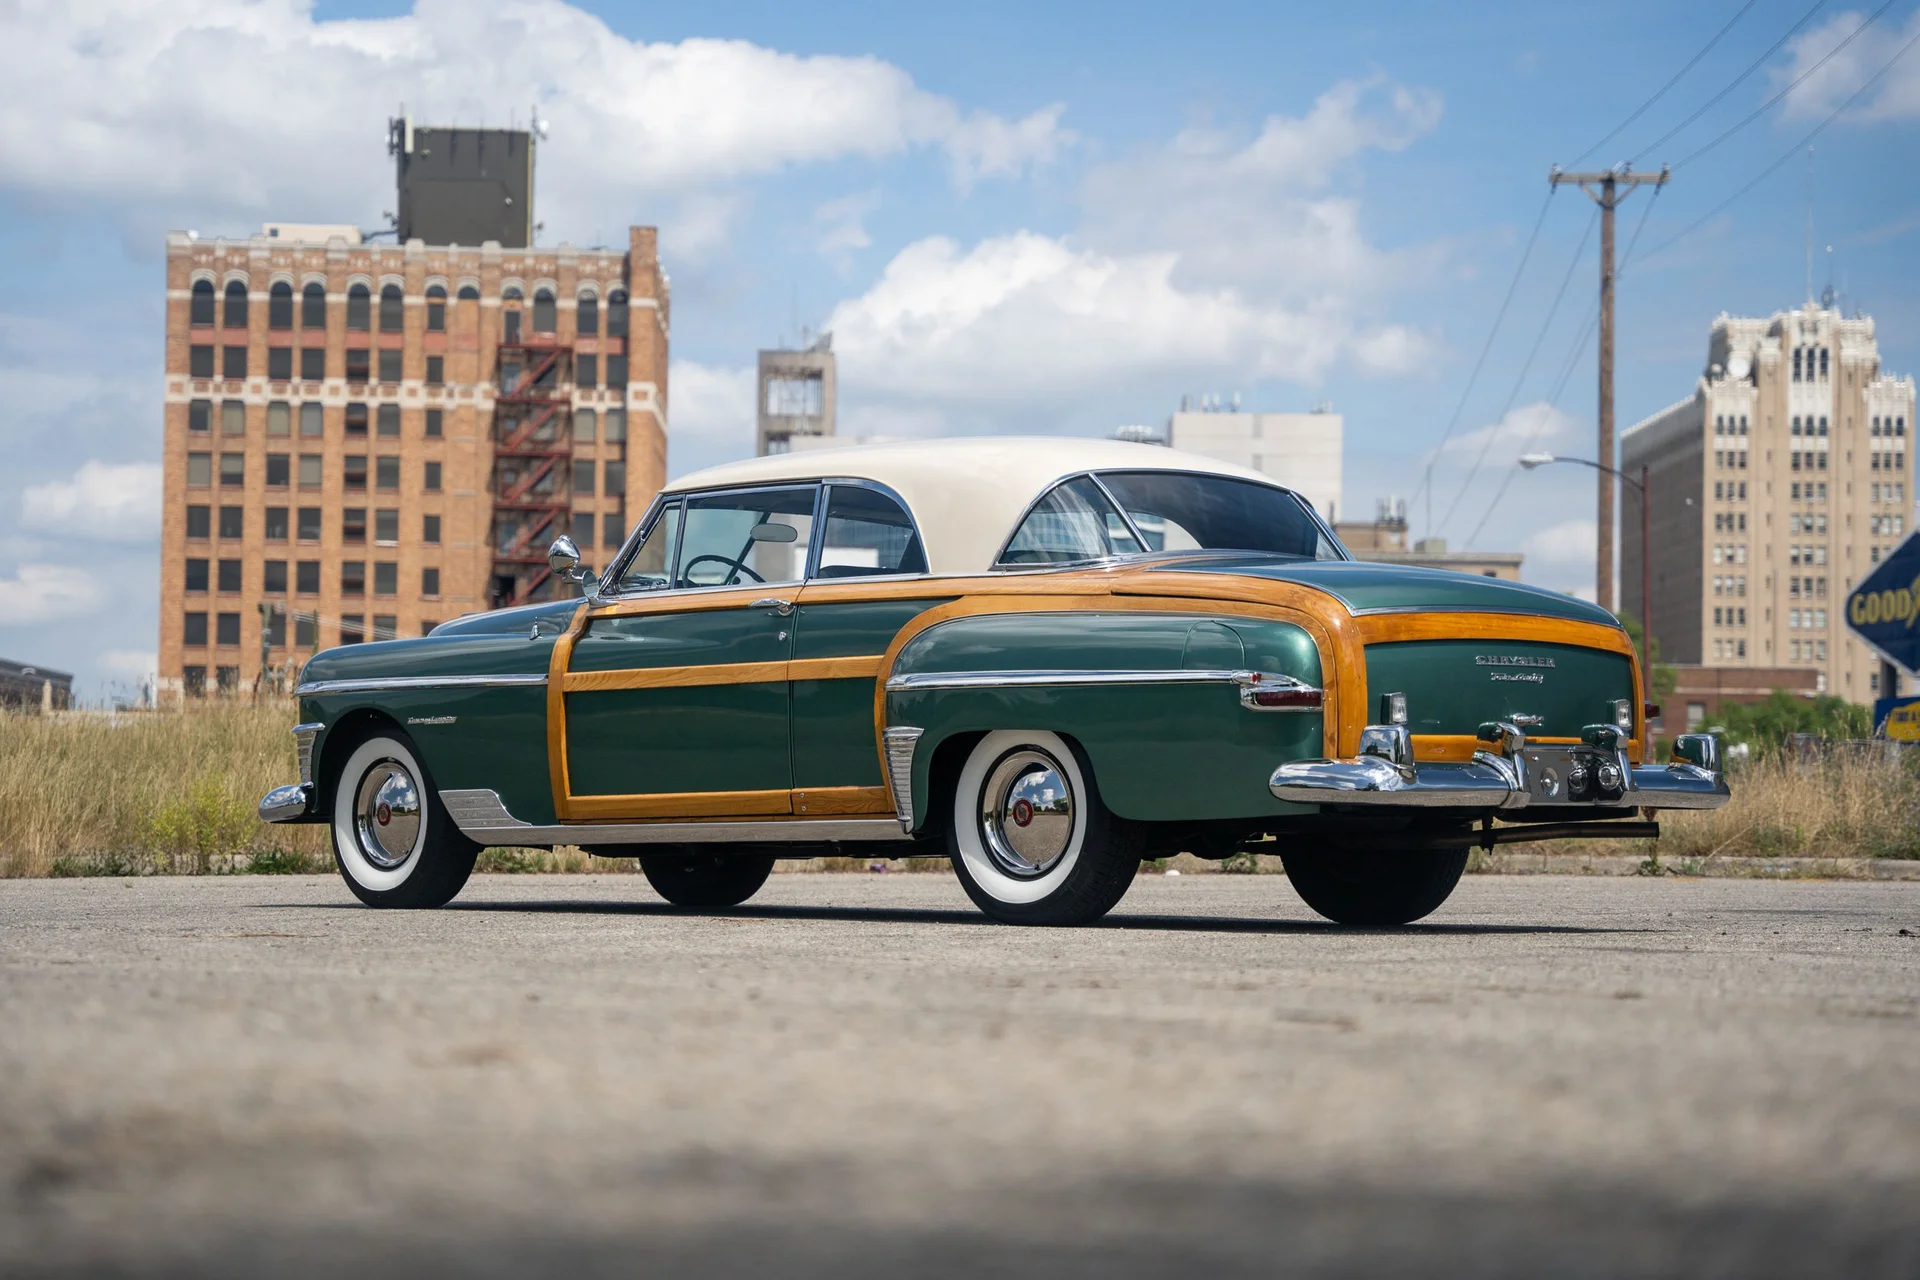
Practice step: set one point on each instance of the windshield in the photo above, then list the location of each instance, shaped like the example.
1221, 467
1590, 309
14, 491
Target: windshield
1172, 511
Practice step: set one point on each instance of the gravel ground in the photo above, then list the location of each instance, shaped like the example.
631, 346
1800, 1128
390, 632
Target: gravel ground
857, 1075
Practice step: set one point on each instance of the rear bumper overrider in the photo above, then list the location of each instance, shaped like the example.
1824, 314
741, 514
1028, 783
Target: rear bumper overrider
1508, 774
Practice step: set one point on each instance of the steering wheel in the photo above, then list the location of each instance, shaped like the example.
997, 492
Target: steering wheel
733, 567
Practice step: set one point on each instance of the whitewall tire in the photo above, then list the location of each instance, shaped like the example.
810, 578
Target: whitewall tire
1030, 839
394, 842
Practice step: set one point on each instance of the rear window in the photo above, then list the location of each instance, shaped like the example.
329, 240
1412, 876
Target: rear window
1165, 511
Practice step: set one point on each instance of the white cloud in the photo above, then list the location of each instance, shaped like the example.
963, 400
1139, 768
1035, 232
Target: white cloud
841, 224
48, 593
130, 664
1526, 429
1895, 97
230, 110
1570, 542
104, 502
710, 400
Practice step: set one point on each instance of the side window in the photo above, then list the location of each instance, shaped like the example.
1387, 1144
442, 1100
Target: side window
867, 533
745, 539
1074, 522
647, 571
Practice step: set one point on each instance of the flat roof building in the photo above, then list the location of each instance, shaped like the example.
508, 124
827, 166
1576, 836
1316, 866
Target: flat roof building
1300, 450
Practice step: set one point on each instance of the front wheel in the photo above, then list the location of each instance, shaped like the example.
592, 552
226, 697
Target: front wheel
1374, 888
705, 880
394, 842
1030, 839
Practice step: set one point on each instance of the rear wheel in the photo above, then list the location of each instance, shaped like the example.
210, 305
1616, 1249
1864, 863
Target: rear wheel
1030, 839
1375, 888
688, 878
394, 842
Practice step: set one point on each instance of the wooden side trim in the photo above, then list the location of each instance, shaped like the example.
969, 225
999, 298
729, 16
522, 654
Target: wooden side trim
681, 804
557, 714
689, 677
865, 667
1392, 627
828, 801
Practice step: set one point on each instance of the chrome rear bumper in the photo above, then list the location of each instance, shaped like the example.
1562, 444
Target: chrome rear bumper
1508, 775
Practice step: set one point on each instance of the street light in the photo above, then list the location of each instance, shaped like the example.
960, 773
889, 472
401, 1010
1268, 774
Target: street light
1529, 461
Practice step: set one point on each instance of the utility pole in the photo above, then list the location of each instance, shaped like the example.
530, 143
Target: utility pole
1608, 188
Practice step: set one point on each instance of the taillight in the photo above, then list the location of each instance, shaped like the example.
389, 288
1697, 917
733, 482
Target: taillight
1262, 691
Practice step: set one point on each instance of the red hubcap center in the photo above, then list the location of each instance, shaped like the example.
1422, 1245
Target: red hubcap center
1022, 812
383, 815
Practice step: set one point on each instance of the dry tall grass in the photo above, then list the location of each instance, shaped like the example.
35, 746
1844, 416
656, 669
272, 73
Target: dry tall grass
174, 792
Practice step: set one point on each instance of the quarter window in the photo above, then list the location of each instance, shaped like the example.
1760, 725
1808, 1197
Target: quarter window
1072, 523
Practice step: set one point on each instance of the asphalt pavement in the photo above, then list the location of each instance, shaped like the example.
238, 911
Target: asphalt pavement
857, 1075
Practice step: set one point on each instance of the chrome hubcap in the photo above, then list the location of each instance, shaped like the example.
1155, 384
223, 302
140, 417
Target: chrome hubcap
1026, 814
387, 814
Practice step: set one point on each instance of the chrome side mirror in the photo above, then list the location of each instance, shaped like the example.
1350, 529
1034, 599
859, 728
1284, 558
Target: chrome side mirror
563, 557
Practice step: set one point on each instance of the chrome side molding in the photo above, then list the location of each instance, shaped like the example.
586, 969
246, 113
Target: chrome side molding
482, 817
901, 742
382, 684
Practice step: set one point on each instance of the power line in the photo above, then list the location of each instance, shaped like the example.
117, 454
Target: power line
1764, 107
1527, 367
1736, 82
1790, 153
1661, 91
1566, 371
1426, 482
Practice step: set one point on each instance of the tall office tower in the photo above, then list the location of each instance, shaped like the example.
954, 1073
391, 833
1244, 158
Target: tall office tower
1778, 484
363, 440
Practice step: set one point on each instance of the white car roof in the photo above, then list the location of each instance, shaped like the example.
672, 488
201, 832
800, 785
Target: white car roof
964, 493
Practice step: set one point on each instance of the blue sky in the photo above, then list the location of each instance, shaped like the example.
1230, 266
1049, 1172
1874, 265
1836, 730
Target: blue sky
1014, 219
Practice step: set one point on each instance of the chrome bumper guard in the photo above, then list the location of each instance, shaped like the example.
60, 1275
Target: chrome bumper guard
1510, 774
287, 804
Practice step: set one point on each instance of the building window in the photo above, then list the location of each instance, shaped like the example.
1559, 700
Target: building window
429, 582
233, 468
387, 471
353, 578
275, 623
273, 577
583, 477
353, 524
229, 576
617, 314
306, 577
194, 633
436, 308
386, 627
436, 370
276, 522
313, 364
359, 364
386, 578
359, 307
277, 471
233, 418
613, 530
387, 420
279, 364
386, 526
233, 522
468, 293
233, 363
432, 481
1796, 364
305, 634
199, 362
430, 530
196, 578
313, 306
582, 530
356, 471
545, 312
616, 426
199, 521
279, 418
511, 332
226, 628
200, 309
353, 628
585, 426
200, 415
1823, 367
616, 478
280, 306
235, 316
586, 371
393, 309
199, 468
356, 420
311, 465
390, 360
586, 316
434, 420
617, 374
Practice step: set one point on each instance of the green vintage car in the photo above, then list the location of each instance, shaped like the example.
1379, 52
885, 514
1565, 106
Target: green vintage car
1045, 659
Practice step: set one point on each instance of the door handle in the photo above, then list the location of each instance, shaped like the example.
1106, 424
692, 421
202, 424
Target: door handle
779, 606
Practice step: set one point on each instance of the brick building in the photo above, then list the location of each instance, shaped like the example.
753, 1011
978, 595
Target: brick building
363, 440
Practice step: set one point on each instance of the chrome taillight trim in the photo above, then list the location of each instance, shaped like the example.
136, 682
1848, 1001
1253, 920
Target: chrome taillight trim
303, 736
901, 742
